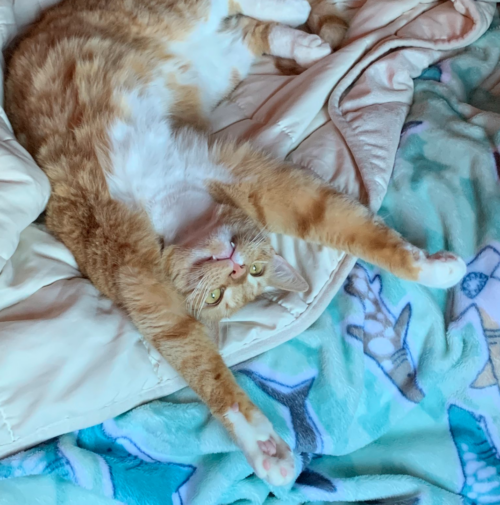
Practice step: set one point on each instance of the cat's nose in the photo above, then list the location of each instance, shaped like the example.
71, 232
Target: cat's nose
238, 270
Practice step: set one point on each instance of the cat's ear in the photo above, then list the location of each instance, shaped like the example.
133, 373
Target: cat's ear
284, 276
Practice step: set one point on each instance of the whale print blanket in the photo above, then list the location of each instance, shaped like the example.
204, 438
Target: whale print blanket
392, 396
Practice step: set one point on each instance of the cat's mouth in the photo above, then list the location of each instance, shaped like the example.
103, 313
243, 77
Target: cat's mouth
227, 254
232, 257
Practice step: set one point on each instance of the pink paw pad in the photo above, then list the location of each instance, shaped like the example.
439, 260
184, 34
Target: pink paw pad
267, 447
269, 455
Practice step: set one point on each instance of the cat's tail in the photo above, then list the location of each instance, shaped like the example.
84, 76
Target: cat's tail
326, 22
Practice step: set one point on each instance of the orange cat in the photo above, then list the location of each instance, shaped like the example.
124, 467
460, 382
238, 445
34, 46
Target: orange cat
111, 97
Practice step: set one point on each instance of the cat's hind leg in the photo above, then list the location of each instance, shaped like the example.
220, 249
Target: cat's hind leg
284, 42
305, 48
287, 12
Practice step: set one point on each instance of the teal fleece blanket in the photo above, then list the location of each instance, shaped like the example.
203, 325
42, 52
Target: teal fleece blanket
391, 397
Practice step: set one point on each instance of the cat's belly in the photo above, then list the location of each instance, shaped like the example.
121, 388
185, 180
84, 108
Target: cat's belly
161, 170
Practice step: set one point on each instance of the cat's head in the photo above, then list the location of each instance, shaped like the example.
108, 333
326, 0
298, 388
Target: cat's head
228, 265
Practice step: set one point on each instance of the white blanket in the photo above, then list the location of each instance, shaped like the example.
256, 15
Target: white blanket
68, 357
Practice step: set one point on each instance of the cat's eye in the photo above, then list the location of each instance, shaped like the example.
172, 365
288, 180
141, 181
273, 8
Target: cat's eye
214, 297
257, 269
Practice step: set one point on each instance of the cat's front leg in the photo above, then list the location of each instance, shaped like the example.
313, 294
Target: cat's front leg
184, 343
200, 363
291, 201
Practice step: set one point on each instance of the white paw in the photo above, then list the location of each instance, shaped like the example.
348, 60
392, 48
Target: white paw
441, 270
308, 49
269, 456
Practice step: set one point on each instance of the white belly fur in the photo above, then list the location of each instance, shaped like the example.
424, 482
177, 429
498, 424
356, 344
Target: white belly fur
163, 172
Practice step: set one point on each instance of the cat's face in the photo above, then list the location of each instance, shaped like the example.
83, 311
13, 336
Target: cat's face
227, 266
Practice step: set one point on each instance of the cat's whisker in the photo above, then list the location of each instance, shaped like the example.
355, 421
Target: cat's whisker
259, 238
198, 297
196, 294
261, 232
200, 282
204, 294
260, 241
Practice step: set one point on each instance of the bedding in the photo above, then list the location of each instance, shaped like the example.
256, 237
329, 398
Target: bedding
69, 358
391, 397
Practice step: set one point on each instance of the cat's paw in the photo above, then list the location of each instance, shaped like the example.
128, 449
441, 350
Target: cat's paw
268, 455
441, 270
302, 47
308, 49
